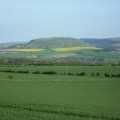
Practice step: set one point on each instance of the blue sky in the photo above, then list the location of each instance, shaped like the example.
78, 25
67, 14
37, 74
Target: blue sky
23, 20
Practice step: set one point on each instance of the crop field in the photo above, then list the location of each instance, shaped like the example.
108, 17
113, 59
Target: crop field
37, 96
52, 54
22, 50
75, 49
101, 54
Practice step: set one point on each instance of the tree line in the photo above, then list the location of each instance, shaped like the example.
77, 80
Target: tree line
92, 74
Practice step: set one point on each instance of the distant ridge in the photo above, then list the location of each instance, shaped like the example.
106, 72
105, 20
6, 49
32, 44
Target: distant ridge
62, 42
105, 43
11, 44
55, 42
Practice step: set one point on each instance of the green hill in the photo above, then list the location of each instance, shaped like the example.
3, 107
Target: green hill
55, 42
109, 44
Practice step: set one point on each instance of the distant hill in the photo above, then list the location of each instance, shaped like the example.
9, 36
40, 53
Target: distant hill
58, 42
10, 44
108, 44
58, 50
55, 42
105, 43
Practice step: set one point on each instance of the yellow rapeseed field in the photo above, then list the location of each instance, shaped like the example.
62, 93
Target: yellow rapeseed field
75, 48
25, 50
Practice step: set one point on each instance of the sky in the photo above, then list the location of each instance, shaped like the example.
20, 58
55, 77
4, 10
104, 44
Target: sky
23, 20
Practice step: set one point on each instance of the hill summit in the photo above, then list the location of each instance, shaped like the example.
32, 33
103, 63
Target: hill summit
55, 42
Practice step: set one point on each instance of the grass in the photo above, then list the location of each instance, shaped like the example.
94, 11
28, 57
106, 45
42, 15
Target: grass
75, 49
80, 99
57, 97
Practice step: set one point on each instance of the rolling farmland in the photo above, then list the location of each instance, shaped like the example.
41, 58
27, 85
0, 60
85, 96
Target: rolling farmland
60, 79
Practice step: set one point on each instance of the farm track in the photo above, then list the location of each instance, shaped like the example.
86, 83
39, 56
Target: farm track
49, 109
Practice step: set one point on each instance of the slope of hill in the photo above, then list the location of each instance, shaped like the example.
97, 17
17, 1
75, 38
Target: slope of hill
11, 44
55, 42
107, 44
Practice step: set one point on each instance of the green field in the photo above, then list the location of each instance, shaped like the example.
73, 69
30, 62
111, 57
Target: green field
52, 53
29, 96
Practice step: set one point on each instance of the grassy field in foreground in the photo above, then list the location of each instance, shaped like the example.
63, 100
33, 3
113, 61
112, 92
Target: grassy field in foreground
56, 97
